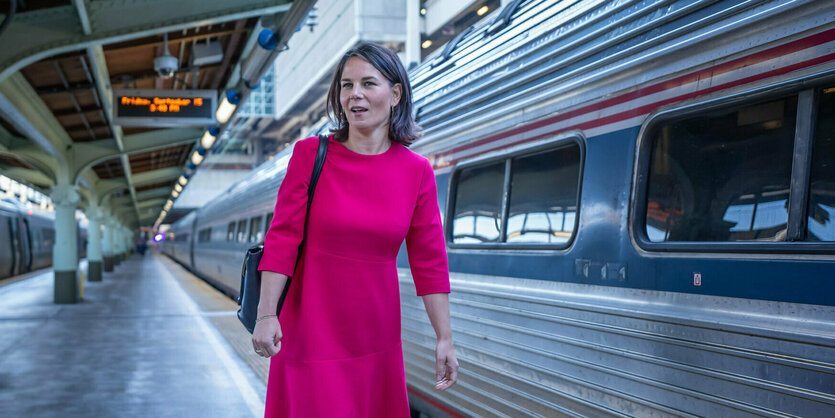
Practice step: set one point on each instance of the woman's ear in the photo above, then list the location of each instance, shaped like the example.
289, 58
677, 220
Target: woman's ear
396, 91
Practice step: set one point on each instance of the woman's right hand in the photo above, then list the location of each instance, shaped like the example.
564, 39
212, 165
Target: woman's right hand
266, 337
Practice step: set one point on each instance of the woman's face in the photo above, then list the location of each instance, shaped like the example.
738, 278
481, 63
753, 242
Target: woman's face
366, 95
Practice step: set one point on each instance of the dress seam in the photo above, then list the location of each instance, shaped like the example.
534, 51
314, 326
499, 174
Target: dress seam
315, 248
399, 346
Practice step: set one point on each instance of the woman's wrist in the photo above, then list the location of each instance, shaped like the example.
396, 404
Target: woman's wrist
263, 317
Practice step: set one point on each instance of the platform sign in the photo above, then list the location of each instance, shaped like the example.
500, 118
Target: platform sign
164, 108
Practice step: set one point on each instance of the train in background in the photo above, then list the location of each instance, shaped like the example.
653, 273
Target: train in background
639, 207
30, 236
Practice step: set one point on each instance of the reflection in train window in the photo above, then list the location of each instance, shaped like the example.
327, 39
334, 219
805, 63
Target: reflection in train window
478, 204
48, 237
230, 233
543, 196
242, 230
267, 225
255, 233
722, 175
205, 235
821, 217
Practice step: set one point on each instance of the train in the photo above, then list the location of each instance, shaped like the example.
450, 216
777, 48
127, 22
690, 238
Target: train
639, 206
31, 236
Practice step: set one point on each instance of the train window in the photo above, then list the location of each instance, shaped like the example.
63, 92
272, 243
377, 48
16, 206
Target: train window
722, 175
525, 197
820, 225
267, 224
543, 196
478, 204
230, 232
241, 230
255, 233
205, 235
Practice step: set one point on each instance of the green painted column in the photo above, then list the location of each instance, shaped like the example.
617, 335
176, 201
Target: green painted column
117, 243
65, 251
94, 237
108, 244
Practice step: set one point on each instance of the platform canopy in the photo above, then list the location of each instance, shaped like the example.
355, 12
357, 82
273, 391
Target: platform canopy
61, 62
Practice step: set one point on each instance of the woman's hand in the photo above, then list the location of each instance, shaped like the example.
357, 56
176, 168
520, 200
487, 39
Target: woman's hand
446, 365
266, 337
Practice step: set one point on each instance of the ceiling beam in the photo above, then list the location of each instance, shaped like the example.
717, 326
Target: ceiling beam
71, 111
114, 79
156, 176
234, 40
30, 176
148, 194
175, 37
39, 34
151, 203
22, 107
88, 154
105, 187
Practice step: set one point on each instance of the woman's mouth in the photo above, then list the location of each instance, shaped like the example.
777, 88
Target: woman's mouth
358, 110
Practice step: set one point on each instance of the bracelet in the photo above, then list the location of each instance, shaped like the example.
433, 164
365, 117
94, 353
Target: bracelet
265, 317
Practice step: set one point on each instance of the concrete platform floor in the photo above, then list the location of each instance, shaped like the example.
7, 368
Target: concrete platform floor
150, 340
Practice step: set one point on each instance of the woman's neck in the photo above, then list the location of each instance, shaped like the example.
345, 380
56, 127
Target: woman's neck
368, 142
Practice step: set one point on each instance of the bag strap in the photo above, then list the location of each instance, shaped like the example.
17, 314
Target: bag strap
314, 178
317, 169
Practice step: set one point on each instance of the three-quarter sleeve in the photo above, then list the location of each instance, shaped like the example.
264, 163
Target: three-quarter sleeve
281, 245
425, 239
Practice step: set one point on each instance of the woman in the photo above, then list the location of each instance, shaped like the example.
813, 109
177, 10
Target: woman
340, 323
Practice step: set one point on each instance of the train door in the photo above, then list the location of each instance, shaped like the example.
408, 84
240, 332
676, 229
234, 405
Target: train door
26, 245
17, 253
7, 254
190, 244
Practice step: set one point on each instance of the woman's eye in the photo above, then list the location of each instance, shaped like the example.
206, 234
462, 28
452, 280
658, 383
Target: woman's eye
369, 83
346, 85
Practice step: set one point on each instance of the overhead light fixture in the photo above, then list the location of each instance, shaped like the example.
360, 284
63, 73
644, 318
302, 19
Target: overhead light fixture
178, 188
174, 194
168, 204
482, 10
260, 59
196, 157
182, 180
227, 106
209, 137
423, 11
426, 44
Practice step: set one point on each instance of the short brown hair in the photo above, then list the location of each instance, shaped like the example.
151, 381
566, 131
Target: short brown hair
402, 127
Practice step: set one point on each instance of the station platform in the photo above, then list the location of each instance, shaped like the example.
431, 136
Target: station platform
150, 339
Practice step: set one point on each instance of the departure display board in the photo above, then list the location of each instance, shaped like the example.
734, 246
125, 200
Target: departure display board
164, 108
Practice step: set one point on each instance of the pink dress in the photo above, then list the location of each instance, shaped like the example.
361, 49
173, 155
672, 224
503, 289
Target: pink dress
341, 354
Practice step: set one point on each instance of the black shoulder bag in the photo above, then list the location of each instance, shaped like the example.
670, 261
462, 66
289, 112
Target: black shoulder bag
250, 292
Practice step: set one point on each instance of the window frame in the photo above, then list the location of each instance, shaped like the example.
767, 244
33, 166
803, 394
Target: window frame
240, 239
507, 155
253, 234
807, 104
231, 228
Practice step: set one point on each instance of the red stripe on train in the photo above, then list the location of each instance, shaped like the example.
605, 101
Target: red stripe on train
434, 403
800, 44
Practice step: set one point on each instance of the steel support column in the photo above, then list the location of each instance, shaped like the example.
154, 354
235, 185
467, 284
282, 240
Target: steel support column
117, 244
94, 238
108, 244
65, 197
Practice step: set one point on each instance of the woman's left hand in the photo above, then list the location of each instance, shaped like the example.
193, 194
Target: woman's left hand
446, 365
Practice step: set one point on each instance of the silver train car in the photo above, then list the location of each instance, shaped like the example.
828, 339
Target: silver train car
30, 237
639, 207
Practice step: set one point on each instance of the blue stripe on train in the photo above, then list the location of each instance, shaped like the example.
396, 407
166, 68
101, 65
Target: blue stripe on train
603, 240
